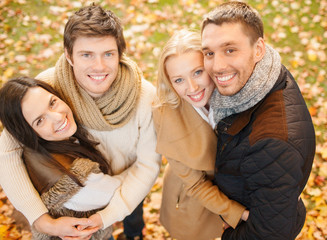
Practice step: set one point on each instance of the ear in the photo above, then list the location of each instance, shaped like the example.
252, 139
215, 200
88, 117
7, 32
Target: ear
68, 58
260, 49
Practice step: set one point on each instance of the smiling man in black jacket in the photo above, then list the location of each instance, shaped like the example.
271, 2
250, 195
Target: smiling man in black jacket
266, 139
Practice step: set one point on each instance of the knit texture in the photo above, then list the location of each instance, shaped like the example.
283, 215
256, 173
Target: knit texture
110, 111
262, 80
65, 189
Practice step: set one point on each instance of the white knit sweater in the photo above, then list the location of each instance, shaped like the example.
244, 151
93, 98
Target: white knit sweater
130, 148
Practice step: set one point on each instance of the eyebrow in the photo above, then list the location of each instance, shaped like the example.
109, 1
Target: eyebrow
84, 51
225, 44
193, 70
87, 51
36, 119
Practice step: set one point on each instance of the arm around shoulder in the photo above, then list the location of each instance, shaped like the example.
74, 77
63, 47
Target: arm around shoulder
15, 180
141, 175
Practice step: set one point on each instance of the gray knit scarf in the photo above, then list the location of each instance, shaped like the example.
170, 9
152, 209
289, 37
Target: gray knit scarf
262, 80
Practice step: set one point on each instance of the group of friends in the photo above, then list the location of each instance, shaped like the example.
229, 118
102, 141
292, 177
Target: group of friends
82, 141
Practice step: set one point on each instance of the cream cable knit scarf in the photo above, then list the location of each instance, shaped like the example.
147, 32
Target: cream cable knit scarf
112, 110
262, 80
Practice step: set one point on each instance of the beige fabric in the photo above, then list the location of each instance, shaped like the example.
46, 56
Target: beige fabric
133, 159
112, 110
190, 202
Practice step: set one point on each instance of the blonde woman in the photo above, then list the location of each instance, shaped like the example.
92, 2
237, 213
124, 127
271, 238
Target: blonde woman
192, 207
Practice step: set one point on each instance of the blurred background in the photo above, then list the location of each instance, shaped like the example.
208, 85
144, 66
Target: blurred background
31, 33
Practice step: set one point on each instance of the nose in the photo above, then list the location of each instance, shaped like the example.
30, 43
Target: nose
219, 64
56, 117
193, 86
99, 63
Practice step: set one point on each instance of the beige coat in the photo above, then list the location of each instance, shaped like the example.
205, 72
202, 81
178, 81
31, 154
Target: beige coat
191, 204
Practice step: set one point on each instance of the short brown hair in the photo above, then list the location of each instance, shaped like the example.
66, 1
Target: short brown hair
237, 12
93, 21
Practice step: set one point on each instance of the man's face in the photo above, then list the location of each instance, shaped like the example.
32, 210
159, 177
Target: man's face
95, 63
229, 57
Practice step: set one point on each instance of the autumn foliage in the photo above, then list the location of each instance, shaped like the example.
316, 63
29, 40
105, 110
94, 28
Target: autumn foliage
31, 41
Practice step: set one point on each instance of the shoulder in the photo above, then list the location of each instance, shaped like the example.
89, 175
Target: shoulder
148, 91
8, 143
270, 119
282, 113
47, 76
146, 98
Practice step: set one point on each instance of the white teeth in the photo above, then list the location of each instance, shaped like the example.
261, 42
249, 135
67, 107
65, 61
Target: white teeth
225, 78
98, 77
197, 96
62, 126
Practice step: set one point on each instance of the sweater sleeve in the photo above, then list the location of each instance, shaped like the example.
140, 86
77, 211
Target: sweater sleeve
15, 180
141, 175
202, 189
272, 171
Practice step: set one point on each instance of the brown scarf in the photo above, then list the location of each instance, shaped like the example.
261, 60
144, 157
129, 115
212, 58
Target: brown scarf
110, 111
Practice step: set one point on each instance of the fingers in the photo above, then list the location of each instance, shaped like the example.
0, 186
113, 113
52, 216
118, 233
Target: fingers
83, 235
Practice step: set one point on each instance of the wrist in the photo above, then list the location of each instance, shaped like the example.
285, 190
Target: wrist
245, 215
44, 224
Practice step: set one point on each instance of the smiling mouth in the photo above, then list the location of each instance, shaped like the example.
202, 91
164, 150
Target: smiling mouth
62, 126
197, 97
98, 77
225, 78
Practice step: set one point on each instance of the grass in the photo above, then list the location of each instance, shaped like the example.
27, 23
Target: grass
31, 41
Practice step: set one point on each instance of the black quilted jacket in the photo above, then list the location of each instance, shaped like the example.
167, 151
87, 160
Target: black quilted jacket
264, 159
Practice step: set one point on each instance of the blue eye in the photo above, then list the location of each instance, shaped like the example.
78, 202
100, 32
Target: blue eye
198, 72
108, 54
178, 80
87, 55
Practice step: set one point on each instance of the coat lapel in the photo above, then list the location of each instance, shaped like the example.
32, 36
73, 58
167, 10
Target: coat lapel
184, 136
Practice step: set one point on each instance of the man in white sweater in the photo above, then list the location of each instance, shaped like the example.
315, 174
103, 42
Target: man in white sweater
107, 92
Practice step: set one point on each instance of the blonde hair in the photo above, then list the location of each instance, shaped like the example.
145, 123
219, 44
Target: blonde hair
181, 42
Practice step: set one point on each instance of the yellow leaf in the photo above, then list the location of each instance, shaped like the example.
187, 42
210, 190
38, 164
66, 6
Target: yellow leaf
319, 201
3, 230
294, 63
8, 72
324, 154
323, 210
310, 232
312, 56
321, 222
314, 192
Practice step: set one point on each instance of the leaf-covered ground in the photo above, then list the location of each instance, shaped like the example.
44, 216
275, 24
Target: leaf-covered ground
31, 41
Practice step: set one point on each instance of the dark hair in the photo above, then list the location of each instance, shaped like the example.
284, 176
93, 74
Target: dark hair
237, 12
12, 118
93, 21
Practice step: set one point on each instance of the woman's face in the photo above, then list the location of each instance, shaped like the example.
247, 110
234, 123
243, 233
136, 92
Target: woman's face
189, 79
49, 116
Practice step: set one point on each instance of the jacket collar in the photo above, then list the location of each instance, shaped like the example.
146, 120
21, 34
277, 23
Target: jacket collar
243, 119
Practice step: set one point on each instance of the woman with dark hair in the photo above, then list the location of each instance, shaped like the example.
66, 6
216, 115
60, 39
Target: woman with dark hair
61, 159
